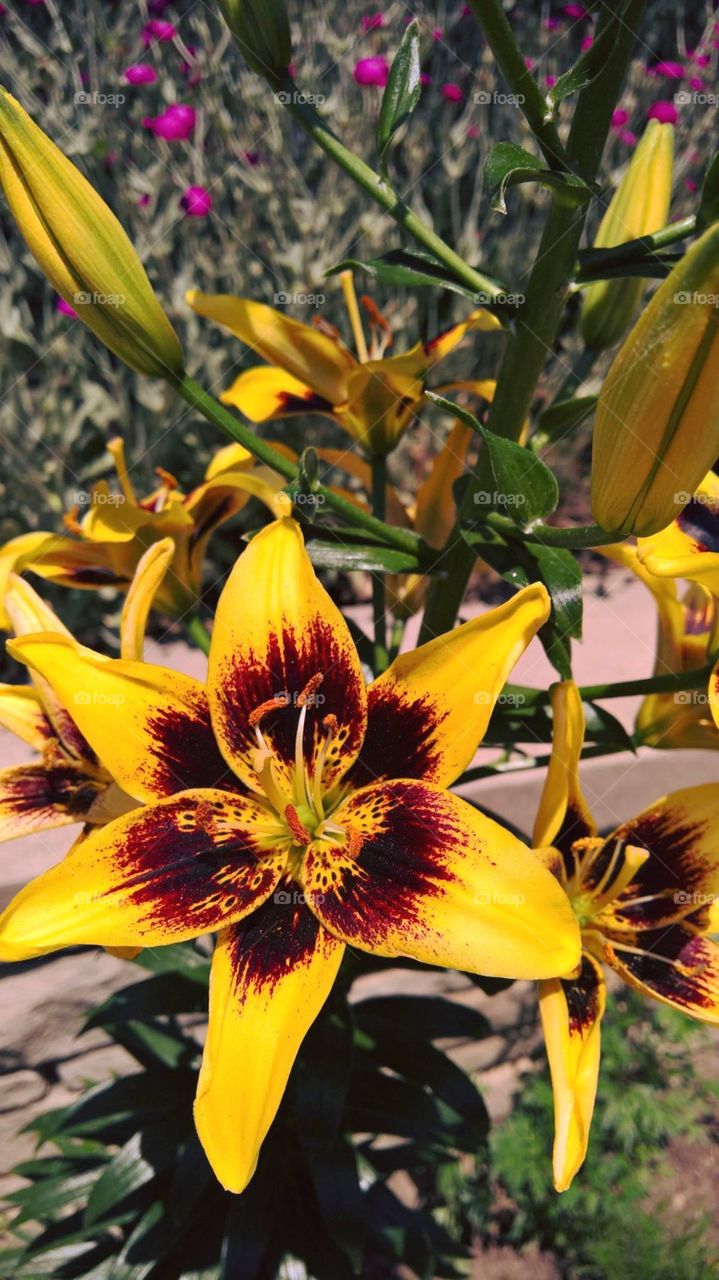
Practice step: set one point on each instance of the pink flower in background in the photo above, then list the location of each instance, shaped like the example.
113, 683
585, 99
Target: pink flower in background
197, 202
371, 21
576, 11
65, 309
587, 42
438, 33
697, 84
628, 138
157, 29
551, 24
252, 158
664, 111
371, 71
175, 124
691, 185
619, 117
550, 81
702, 59
473, 131
451, 92
144, 200
141, 73
529, 63
670, 70
424, 78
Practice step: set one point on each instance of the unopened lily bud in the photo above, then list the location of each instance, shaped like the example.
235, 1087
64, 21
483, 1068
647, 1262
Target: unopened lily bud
81, 247
639, 206
262, 31
656, 432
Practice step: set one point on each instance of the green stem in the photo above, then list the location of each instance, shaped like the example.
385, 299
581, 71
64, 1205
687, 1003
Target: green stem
197, 632
395, 644
576, 538
530, 99
197, 398
536, 762
593, 262
379, 595
384, 194
538, 320
527, 697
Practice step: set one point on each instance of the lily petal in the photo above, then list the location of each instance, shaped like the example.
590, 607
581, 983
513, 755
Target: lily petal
152, 567
689, 546
674, 965
440, 346
270, 977
303, 351
421, 873
149, 726
15, 555
276, 630
571, 1012
21, 711
162, 873
563, 814
428, 713
680, 833
36, 797
268, 392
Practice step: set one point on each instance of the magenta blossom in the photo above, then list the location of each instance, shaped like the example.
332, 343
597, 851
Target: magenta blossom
141, 73
697, 84
628, 138
670, 70
371, 21
65, 309
663, 111
196, 201
576, 11
175, 124
371, 71
437, 34
587, 43
619, 118
424, 78
550, 81
144, 200
702, 59
551, 24
451, 92
158, 29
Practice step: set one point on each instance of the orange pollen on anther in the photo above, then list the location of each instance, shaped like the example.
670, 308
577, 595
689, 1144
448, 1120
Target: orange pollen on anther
306, 696
324, 326
166, 477
71, 521
299, 831
331, 723
355, 841
264, 709
374, 313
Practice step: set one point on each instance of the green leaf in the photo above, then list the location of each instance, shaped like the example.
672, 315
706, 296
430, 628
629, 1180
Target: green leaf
46, 1198
436, 1017
162, 994
526, 490
322, 1073
402, 91
591, 63
508, 165
564, 416
141, 1159
335, 1178
708, 210
330, 555
562, 576
603, 727
401, 269
178, 957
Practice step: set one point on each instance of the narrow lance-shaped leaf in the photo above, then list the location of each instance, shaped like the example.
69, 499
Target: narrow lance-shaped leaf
402, 91
708, 210
404, 270
508, 165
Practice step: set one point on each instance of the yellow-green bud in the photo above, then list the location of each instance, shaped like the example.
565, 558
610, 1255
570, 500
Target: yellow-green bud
81, 247
656, 433
639, 206
262, 31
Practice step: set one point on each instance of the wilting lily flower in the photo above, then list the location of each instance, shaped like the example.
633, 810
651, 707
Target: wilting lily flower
317, 817
374, 398
80, 246
103, 548
69, 783
642, 897
686, 625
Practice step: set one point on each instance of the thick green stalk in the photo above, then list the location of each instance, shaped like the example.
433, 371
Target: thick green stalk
197, 398
538, 319
379, 594
384, 195
528, 697
530, 99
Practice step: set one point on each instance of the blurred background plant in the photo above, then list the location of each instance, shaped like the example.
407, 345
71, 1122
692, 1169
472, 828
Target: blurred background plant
220, 191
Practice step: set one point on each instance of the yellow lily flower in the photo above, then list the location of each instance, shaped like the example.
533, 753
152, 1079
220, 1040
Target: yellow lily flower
374, 397
642, 897
69, 784
685, 627
324, 823
689, 546
79, 244
107, 544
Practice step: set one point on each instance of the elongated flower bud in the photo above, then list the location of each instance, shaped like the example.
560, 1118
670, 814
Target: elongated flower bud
656, 432
639, 206
262, 31
80, 245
